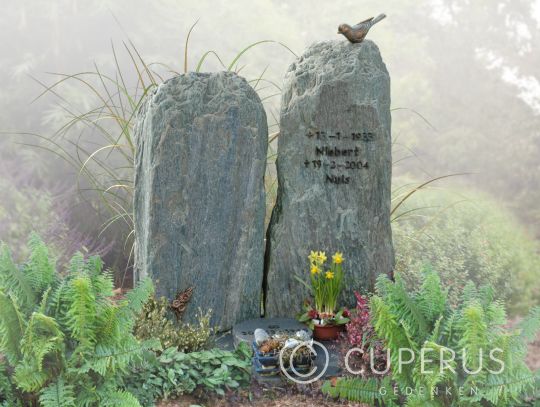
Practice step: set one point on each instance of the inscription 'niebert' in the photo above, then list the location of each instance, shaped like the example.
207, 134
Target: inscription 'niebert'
337, 162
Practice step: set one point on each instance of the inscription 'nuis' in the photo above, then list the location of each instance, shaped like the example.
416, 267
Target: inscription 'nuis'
337, 179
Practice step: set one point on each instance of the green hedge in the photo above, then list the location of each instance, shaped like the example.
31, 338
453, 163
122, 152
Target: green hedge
467, 236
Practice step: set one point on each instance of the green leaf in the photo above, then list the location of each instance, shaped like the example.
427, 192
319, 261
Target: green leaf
57, 394
12, 327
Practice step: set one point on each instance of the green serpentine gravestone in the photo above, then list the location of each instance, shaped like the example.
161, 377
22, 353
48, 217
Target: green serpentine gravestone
199, 194
334, 170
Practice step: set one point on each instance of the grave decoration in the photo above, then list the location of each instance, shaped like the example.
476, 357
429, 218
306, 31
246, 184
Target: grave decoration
322, 315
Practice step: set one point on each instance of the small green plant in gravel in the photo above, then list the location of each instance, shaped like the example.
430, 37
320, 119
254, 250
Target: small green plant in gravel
173, 373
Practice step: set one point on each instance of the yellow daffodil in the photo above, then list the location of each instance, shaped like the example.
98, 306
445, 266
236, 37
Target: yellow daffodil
329, 275
338, 258
315, 269
321, 256
313, 256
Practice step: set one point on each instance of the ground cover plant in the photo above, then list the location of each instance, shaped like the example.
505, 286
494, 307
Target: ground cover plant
424, 322
156, 322
171, 373
64, 340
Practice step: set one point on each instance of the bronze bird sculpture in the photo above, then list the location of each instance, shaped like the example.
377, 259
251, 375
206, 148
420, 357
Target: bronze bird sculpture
358, 32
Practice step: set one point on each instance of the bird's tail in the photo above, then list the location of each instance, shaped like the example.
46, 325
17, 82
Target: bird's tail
378, 18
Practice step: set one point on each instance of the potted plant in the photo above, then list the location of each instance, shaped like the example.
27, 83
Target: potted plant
323, 317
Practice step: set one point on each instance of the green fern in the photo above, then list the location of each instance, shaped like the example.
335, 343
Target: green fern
120, 399
82, 311
530, 325
406, 308
12, 327
474, 335
370, 391
66, 341
14, 280
432, 298
471, 331
40, 268
57, 394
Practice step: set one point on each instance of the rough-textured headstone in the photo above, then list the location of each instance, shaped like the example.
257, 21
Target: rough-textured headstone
199, 194
334, 171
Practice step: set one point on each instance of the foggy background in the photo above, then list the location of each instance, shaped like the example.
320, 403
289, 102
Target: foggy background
465, 92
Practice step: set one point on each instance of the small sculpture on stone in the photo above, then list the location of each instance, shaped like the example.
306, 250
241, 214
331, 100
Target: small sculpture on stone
358, 32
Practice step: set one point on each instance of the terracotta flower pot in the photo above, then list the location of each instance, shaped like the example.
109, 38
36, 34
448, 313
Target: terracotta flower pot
327, 332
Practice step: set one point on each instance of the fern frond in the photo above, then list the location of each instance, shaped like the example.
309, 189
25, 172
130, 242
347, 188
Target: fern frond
28, 378
468, 295
103, 285
505, 389
530, 325
108, 325
94, 266
82, 311
437, 330
57, 394
382, 285
12, 327
42, 336
139, 295
422, 400
450, 328
406, 309
430, 371
6, 388
112, 358
119, 398
396, 335
495, 314
14, 280
486, 295
431, 297
76, 265
57, 302
40, 268
361, 390
474, 335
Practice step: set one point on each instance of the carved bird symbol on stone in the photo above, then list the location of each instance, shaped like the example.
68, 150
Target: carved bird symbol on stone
358, 32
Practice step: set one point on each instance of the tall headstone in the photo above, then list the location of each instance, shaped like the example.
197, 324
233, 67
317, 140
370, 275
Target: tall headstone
199, 194
334, 171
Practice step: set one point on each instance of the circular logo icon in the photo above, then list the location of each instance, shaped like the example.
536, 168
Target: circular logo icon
313, 374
